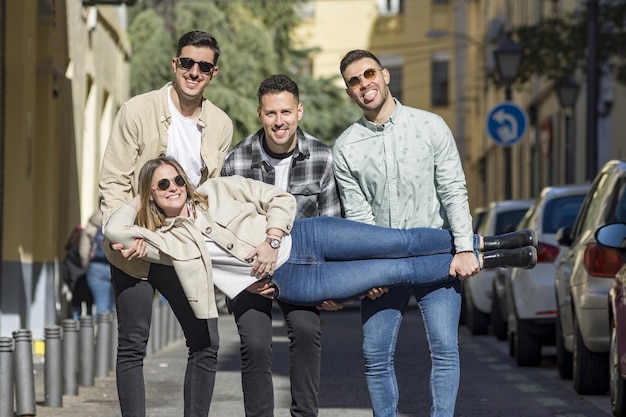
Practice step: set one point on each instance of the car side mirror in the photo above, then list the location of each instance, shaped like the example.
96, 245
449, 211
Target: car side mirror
612, 236
564, 236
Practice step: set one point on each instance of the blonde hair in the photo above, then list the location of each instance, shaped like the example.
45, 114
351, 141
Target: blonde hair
150, 215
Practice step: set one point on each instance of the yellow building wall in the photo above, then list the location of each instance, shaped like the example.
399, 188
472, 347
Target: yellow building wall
55, 57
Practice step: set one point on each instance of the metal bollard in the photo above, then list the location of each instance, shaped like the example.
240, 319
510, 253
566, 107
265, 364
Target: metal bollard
114, 335
155, 328
103, 344
86, 360
6, 377
172, 325
24, 378
165, 319
53, 378
70, 357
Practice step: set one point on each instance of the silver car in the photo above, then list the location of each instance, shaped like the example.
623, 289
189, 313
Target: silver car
530, 298
501, 217
583, 279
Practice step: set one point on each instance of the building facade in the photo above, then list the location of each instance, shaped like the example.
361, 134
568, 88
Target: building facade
65, 75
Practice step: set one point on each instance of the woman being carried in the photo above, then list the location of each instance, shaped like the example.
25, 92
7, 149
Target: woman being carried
241, 235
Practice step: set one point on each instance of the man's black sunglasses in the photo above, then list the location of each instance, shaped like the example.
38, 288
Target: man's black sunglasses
188, 63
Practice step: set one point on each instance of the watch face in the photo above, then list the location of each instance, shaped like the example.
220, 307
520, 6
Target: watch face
275, 243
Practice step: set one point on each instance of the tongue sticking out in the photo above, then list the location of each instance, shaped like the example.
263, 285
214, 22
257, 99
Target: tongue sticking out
369, 96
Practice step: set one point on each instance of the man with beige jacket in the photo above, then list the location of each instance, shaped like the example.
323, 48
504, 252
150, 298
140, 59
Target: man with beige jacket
179, 122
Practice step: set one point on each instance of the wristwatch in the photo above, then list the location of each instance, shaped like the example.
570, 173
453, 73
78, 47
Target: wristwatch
273, 242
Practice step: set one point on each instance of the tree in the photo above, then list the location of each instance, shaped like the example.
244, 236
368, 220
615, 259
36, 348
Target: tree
556, 46
255, 41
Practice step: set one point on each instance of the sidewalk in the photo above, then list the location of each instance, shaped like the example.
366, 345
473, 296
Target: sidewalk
164, 373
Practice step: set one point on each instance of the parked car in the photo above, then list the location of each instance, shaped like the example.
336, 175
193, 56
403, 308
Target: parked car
614, 236
530, 302
478, 215
583, 279
501, 217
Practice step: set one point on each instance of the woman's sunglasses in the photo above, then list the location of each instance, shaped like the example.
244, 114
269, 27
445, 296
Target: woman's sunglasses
188, 63
164, 184
368, 74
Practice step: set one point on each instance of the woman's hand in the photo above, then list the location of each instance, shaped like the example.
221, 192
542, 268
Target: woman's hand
264, 260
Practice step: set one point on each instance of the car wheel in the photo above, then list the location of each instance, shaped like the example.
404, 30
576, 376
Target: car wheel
564, 358
591, 369
498, 325
527, 346
618, 393
476, 321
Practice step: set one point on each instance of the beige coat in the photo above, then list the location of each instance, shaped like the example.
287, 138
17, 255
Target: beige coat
140, 133
239, 214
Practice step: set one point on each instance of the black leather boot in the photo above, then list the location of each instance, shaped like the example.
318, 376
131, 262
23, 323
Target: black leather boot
525, 257
512, 240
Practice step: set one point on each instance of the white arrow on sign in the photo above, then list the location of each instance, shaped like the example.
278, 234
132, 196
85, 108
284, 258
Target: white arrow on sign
508, 130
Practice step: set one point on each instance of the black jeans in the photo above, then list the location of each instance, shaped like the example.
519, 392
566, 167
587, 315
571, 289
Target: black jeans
253, 315
134, 299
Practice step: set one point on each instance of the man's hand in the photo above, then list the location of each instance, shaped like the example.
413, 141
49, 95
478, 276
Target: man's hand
332, 305
464, 265
375, 293
137, 250
264, 287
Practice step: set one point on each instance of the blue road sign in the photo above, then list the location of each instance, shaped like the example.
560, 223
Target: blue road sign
507, 123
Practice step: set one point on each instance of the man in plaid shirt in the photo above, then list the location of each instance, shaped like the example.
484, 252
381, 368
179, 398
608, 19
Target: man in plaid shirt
282, 154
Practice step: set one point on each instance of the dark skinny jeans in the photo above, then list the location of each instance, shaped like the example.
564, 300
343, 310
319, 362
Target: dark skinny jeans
253, 315
134, 299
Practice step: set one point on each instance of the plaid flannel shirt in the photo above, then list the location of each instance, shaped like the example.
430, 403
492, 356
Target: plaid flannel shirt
311, 179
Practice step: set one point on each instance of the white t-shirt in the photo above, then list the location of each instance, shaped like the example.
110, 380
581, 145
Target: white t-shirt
231, 275
184, 143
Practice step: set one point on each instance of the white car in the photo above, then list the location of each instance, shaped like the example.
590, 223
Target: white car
583, 278
530, 293
501, 217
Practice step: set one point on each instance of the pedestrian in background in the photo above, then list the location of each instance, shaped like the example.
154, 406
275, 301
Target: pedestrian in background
176, 120
96, 264
399, 167
282, 154
75, 275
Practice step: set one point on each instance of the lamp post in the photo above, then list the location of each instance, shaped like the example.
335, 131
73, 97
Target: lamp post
508, 59
567, 92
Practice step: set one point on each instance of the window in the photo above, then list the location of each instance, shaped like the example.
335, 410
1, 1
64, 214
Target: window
440, 80
390, 7
395, 65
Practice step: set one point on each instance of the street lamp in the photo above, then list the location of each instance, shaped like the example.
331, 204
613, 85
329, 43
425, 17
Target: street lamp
567, 92
508, 58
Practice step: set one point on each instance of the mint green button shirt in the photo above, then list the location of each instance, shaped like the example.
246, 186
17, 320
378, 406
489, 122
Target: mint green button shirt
405, 173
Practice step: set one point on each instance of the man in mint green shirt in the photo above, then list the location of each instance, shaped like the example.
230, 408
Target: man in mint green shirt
399, 167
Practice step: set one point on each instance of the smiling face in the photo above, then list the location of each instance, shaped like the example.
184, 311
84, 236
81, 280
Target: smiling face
373, 96
172, 200
279, 114
190, 83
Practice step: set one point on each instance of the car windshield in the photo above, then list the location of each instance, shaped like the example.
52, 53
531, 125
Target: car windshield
561, 212
507, 220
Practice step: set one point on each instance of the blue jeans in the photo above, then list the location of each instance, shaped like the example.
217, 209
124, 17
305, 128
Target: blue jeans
99, 281
440, 306
338, 259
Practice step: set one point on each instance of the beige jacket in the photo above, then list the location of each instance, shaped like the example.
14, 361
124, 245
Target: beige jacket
239, 214
140, 133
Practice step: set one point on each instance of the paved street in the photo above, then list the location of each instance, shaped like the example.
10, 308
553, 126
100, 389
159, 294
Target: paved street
491, 384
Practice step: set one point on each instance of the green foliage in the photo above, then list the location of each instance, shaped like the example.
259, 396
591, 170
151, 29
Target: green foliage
255, 42
152, 52
556, 47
